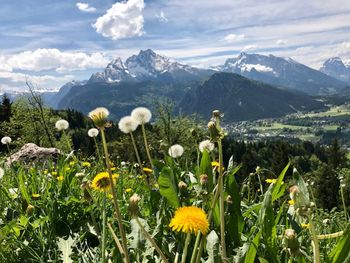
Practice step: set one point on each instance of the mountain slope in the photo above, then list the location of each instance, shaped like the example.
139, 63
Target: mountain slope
337, 68
242, 99
282, 72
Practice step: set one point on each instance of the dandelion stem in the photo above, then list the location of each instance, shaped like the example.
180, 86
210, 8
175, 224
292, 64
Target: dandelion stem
315, 244
115, 201
116, 241
138, 158
103, 228
146, 145
151, 240
343, 200
187, 242
194, 253
97, 150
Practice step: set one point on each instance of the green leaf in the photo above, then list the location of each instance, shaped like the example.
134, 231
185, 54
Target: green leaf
213, 247
167, 187
234, 222
279, 186
250, 256
206, 168
341, 252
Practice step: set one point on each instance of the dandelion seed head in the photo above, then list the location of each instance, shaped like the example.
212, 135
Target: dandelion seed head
206, 145
176, 151
127, 124
6, 140
141, 115
93, 132
62, 125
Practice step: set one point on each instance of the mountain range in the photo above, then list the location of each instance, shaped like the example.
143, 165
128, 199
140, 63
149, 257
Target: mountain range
148, 77
337, 68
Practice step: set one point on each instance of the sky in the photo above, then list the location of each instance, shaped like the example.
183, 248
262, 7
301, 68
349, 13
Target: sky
51, 42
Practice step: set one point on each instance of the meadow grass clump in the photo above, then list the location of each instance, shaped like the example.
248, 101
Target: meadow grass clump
168, 206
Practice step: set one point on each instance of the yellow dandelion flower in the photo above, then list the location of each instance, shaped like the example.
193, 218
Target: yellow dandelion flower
216, 164
101, 181
190, 219
147, 170
86, 164
291, 202
140, 177
128, 190
72, 163
35, 196
271, 181
113, 168
60, 178
45, 172
156, 186
305, 226
54, 173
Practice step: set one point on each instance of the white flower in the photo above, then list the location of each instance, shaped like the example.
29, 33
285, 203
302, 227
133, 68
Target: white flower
176, 150
141, 115
93, 132
127, 124
6, 140
99, 116
62, 125
2, 172
207, 145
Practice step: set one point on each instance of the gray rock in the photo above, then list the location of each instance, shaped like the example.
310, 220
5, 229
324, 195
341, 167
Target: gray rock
31, 152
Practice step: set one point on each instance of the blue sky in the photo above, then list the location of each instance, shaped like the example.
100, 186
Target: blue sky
51, 42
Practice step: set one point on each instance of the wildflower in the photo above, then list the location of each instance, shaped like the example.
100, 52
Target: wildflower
190, 219
54, 173
62, 125
79, 175
99, 117
141, 115
206, 145
290, 241
326, 221
305, 226
93, 132
60, 178
113, 168
176, 151
140, 177
291, 202
203, 179
123, 163
30, 209
86, 164
293, 191
128, 190
134, 199
2, 172
133, 204
6, 140
257, 169
101, 182
72, 163
147, 170
271, 181
35, 196
216, 164
182, 185
216, 113
127, 124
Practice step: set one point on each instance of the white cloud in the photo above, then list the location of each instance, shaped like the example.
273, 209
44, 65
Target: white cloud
257, 67
249, 48
86, 7
281, 42
48, 59
122, 20
161, 17
234, 37
3, 64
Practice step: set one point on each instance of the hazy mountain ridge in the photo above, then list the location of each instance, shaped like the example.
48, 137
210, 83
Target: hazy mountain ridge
337, 68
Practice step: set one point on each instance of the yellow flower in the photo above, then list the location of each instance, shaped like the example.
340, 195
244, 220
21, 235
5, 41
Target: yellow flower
147, 170
45, 172
35, 196
113, 168
86, 164
60, 178
54, 173
140, 177
271, 181
101, 181
216, 164
305, 226
128, 190
72, 163
190, 219
291, 202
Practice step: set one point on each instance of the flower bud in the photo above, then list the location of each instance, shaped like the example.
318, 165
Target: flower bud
229, 199
30, 209
182, 185
134, 204
203, 179
216, 113
291, 242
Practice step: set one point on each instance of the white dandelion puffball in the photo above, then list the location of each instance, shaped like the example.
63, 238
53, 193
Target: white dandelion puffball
6, 140
206, 145
176, 150
141, 115
62, 125
2, 172
93, 132
127, 124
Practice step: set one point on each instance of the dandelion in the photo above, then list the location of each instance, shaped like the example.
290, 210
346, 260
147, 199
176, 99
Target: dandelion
305, 226
176, 151
54, 173
6, 140
141, 115
35, 196
206, 145
62, 125
291, 202
216, 164
147, 170
93, 132
128, 190
101, 182
86, 164
99, 117
127, 124
2, 172
190, 219
60, 178
271, 181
